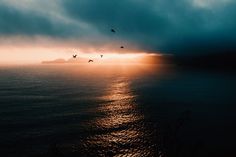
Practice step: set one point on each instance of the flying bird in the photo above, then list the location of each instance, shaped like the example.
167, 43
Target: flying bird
113, 31
122, 47
101, 56
90, 61
74, 56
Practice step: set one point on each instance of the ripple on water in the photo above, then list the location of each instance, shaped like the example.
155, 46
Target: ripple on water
120, 128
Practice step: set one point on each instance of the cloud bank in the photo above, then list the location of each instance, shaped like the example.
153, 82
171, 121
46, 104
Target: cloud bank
180, 27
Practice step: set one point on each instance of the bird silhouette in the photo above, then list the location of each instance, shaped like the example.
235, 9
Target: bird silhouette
122, 47
74, 56
90, 61
113, 31
101, 56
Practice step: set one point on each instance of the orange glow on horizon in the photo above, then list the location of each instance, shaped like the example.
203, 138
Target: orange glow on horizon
25, 50
35, 55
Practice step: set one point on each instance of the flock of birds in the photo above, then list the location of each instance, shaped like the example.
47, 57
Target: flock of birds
90, 60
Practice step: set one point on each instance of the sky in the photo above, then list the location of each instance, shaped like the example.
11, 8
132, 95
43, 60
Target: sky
43, 29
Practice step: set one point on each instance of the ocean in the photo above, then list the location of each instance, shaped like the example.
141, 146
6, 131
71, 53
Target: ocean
116, 110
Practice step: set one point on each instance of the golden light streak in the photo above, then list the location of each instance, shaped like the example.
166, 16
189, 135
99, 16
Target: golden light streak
35, 55
22, 50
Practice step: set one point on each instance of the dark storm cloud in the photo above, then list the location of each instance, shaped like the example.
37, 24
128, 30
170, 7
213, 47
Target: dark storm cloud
169, 26
135, 21
180, 27
17, 22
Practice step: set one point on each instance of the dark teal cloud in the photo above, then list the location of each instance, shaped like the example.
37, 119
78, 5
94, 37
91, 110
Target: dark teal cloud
179, 27
17, 22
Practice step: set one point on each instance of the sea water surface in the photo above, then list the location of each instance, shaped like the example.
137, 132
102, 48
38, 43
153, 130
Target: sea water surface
116, 110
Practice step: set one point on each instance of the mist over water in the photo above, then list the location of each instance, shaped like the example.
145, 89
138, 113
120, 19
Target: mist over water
115, 110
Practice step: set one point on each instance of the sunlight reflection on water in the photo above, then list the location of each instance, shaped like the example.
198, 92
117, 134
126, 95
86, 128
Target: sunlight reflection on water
115, 111
123, 132
74, 113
